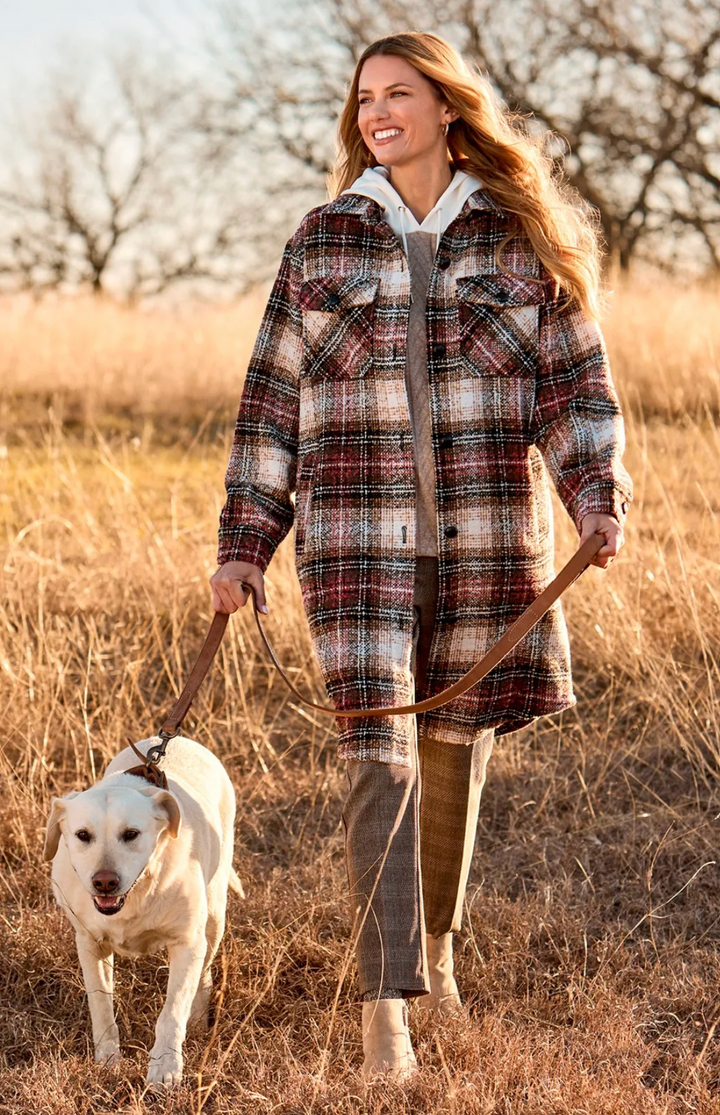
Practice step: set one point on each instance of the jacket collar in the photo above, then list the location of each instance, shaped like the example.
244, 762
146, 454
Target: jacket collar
370, 211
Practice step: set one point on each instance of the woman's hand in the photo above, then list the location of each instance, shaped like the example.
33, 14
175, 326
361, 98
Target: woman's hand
612, 532
227, 592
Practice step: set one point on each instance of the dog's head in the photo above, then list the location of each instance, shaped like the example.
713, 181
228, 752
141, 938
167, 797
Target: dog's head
111, 833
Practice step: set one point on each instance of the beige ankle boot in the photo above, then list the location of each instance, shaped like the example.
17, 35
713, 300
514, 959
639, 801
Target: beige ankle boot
386, 1040
444, 997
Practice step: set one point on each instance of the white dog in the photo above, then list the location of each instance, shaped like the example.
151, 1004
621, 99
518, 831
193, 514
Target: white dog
137, 868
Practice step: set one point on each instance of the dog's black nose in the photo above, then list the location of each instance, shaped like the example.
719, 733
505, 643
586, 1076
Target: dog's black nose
105, 882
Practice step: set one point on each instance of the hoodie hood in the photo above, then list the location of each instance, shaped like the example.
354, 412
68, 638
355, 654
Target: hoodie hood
375, 184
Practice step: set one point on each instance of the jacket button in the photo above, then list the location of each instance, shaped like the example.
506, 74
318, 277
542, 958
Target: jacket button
332, 302
451, 532
438, 351
502, 296
446, 442
444, 263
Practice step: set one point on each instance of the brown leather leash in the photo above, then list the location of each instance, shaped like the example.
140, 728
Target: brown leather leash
570, 572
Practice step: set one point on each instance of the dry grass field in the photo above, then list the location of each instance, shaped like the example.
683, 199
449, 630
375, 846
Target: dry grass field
589, 960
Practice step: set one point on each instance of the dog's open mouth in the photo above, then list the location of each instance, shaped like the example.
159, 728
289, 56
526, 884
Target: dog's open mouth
109, 903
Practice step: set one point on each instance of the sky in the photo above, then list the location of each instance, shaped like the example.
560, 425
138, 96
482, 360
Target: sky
35, 33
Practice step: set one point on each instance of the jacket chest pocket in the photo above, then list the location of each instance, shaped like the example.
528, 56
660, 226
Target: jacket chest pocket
338, 318
499, 324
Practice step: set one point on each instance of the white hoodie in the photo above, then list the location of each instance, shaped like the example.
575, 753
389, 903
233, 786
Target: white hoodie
375, 183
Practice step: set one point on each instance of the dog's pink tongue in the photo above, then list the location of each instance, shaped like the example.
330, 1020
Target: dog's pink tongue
106, 902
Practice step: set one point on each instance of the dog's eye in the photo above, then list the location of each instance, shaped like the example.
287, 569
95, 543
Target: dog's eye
129, 835
84, 836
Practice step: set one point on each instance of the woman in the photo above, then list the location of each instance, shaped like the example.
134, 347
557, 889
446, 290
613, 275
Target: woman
429, 342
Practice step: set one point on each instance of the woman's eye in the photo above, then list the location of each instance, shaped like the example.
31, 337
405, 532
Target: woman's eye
129, 835
84, 836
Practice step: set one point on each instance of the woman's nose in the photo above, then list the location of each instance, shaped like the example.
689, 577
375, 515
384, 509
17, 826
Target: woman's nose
379, 111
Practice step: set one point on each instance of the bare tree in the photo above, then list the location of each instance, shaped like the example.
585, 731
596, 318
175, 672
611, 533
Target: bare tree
628, 93
108, 190
144, 179
634, 90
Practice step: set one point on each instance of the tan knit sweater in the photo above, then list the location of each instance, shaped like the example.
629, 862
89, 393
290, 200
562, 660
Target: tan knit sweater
421, 254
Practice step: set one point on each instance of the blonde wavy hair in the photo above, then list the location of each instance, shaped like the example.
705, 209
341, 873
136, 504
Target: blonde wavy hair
492, 144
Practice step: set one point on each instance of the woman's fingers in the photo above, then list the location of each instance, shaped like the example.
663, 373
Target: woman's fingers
605, 555
255, 578
228, 596
611, 531
231, 586
218, 601
222, 600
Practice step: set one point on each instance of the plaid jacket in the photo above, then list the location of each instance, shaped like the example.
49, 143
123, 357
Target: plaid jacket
518, 382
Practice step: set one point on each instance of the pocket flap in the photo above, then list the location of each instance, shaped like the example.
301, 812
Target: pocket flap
498, 289
332, 294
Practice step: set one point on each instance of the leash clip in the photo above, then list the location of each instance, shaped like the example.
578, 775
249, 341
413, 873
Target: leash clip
157, 751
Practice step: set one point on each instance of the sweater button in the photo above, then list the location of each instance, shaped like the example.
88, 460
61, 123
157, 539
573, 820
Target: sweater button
438, 351
444, 263
451, 532
446, 442
332, 302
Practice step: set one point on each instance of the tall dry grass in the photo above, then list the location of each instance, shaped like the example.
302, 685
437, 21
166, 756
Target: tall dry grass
589, 959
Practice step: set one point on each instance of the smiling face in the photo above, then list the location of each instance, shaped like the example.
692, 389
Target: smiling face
111, 833
400, 116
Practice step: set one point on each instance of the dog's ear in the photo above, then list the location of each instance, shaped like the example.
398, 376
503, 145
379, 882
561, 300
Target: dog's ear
52, 835
168, 804
53, 832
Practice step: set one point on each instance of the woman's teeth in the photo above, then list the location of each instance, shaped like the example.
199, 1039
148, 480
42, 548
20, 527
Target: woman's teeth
387, 133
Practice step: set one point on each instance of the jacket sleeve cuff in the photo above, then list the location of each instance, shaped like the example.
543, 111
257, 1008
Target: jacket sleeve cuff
245, 545
602, 500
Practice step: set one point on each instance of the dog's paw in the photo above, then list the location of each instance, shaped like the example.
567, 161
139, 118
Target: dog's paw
107, 1053
165, 1070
